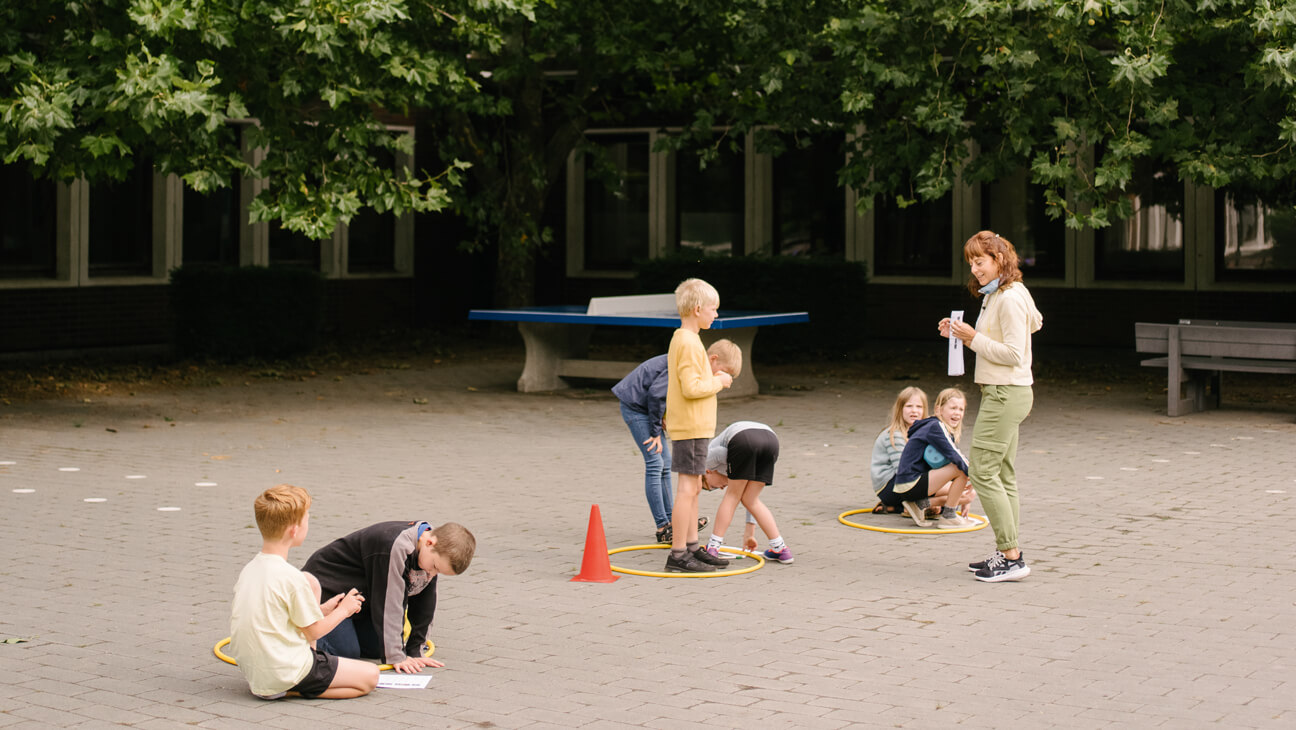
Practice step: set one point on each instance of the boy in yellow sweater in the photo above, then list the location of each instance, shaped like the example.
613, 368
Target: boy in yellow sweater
691, 389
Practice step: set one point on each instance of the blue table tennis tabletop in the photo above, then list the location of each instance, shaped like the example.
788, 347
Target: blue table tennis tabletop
575, 314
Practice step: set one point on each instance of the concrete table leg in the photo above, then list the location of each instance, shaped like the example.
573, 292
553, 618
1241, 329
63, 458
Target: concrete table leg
744, 337
546, 344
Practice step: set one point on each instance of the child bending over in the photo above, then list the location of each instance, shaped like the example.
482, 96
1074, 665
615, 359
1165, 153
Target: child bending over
398, 564
643, 403
741, 460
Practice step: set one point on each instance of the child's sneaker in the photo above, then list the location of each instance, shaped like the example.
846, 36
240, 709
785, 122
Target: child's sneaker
915, 511
784, 556
999, 568
953, 522
710, 556
687, 564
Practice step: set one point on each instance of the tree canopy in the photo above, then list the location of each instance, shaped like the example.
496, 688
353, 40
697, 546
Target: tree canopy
87, 86
1088, 95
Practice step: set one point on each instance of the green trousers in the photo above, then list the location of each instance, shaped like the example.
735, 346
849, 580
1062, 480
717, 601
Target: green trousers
994, 455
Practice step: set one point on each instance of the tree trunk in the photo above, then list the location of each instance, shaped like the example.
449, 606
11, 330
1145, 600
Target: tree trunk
515, 267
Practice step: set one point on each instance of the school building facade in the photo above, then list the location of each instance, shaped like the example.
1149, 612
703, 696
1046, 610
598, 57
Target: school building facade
86, 266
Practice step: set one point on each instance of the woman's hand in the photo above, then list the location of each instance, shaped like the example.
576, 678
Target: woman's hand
963, 331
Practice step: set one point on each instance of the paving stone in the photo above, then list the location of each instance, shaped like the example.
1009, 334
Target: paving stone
1160, 594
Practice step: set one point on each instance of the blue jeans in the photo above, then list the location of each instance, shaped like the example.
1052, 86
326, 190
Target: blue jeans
657, 467
352, 639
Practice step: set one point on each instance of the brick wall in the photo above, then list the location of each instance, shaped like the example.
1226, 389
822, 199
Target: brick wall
75, 318
83, 317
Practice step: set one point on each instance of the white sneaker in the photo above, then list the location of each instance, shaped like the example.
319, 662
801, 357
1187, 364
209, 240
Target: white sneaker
916, 513
953, 523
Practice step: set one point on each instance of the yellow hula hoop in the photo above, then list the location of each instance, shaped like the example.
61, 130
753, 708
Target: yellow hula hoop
760, 563
428, 649
981, 524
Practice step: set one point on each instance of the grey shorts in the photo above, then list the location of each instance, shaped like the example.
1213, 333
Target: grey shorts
689, 456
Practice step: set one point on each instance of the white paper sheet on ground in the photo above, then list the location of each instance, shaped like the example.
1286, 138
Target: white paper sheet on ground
955, 346
403, 681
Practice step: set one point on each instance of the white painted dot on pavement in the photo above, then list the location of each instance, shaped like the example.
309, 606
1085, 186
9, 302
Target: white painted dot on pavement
1093, 477
1244, 438
23, 491
7, 463
1192, 453
95, 499
1267, 491
168, 509
1129, 468
204, 484
69, 468
1162, 461
136, 476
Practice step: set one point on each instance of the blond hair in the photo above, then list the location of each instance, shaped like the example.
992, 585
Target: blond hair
456, 544
897, 424
728, 356
694, 293
279, 508
946, 396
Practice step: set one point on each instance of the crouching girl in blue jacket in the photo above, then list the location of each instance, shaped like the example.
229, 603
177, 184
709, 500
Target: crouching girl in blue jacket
932, 467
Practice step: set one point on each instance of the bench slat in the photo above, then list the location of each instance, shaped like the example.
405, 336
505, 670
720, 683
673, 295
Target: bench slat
1277, 343
1231, 364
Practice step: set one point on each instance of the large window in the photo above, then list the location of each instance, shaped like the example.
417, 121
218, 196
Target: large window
709, 203
211, 225
28, 210
914, 240
809, 203
616, 202
1014, 208
1148, 245
371, 242
1253, 241
289, 248
121, 224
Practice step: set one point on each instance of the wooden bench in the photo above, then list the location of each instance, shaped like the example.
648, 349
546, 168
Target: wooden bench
557, 337
1197, 352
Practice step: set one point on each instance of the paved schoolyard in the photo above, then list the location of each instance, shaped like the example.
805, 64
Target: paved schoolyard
1161, 594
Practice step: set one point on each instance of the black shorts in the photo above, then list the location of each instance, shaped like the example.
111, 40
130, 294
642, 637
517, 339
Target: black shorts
688, 456
320, 676
752, 454
917, 492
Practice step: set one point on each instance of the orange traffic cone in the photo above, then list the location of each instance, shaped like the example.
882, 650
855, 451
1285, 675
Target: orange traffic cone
595, 568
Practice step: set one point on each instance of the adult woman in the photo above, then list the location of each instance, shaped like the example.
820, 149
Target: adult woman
1002, 341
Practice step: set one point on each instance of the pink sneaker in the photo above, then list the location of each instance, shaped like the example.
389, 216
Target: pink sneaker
784, 556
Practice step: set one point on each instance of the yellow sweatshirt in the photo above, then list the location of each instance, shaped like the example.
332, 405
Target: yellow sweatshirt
690, 389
